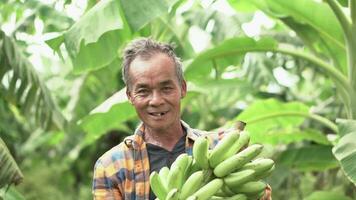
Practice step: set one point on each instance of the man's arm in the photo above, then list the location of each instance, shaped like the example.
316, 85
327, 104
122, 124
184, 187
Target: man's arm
103, 187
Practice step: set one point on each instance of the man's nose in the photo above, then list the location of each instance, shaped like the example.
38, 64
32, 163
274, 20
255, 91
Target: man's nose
156, 99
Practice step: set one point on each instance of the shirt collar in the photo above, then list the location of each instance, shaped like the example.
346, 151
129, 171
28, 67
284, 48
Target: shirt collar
137, 139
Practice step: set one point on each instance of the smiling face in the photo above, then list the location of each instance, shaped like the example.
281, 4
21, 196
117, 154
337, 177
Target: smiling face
155, 92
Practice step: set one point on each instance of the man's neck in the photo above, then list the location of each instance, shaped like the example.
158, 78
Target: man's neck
164, 138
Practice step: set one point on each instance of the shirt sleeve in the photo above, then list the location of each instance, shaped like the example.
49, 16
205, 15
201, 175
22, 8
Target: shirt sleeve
103, 186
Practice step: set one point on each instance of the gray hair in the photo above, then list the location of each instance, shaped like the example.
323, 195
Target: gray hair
146, 48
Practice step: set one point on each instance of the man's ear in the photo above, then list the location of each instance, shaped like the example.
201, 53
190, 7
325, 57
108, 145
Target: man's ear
128, 95
184, 89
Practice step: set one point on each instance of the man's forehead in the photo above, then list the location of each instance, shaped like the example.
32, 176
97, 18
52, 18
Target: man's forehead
144, 83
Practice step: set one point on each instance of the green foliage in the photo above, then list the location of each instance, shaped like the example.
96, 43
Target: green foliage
9, 171
309, 158
345, 149
327, 196
25, 88
230, 52
97, 124
138, 13
271, 121
103, 29
11, 194
96, 33
235, 77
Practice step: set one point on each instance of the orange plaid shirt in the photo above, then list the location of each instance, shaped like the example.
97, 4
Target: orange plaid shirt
123, 171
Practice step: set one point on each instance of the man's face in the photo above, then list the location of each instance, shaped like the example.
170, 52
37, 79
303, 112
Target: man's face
155, 91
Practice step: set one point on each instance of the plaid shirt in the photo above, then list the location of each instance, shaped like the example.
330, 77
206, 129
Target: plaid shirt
123, 172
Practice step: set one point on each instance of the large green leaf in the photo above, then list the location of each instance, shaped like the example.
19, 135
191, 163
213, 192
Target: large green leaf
318, 15
231, 51
290, 135
11, 194
25, 88
225, 26
243, 6
107, 116
309, 158
327, 195
227, 53
140, 12
94, 40
319, 44
345, 149
103, 17
346, 126
9, 171
93, 88
206, 86
317, 18
268, 115
96, 55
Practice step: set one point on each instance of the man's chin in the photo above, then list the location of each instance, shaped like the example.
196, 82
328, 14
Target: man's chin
159, 126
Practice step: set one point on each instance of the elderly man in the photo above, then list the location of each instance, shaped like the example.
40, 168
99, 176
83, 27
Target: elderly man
155, 86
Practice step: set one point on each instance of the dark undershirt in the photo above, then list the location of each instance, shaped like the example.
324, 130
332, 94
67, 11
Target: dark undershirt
160, 157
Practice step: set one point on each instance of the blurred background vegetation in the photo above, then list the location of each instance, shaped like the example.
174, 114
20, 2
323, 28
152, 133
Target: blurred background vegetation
287, 68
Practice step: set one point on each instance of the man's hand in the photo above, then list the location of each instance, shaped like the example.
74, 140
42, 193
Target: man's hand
268, 193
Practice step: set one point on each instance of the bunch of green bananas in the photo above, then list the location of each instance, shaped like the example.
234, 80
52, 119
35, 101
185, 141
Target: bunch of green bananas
223, 172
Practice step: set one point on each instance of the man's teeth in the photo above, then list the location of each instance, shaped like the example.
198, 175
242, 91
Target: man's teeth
157, 114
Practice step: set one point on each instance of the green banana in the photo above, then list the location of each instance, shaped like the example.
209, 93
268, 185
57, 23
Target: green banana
264, 174
208, 190
237, 197
227, 191
187, 171
173, 194
244, 138
221, 193
163, 174
194, 167
192, 184
250, 188
174, 177
260, 166
218, 154
158, 188
200, 152
192, 198
238, 160
217, 198
183, 162
256, 196
239, 178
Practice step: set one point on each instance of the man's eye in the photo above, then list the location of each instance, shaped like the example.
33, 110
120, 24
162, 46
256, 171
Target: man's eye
167, 88
142, 92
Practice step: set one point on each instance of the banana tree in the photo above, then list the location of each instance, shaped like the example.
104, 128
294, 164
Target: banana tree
10, 172
23, 92
335, 56
329, 34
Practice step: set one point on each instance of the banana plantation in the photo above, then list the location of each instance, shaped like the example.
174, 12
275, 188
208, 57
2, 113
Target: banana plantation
285, 68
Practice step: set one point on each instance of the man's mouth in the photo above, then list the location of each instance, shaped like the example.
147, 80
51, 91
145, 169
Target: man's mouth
157, 114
